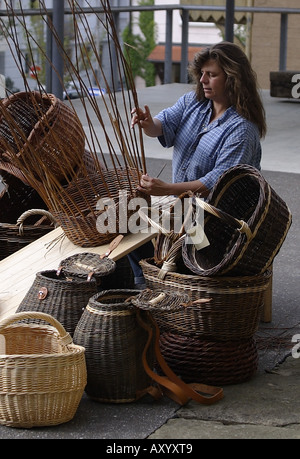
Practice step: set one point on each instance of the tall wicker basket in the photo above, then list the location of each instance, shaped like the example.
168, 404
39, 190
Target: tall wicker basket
42, 373
114, 343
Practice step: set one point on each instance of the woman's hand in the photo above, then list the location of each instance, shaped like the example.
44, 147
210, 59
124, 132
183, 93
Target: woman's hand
153, 186
151, 126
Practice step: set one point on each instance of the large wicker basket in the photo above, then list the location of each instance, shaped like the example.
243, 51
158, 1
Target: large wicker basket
15, 237
93, 210
224, 307
211, 362
31, 121
42, 373
246, 223
114, 343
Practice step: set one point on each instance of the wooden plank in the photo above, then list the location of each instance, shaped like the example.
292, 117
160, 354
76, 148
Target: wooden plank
18, 271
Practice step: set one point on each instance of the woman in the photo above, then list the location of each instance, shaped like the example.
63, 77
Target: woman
214, 127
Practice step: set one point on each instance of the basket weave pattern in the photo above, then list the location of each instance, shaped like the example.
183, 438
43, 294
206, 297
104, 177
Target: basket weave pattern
209, 361
232, 312
62, 297
32, 122
114, 343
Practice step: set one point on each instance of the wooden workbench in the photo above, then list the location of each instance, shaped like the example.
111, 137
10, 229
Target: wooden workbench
18, 271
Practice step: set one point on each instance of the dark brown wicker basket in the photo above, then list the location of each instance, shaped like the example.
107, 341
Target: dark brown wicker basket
16, 198
114, 343
211, 362
31, 121
15, 237
246, 225
59, 296
233, 309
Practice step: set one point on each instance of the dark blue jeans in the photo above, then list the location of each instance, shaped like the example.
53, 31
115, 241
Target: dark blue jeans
134, 257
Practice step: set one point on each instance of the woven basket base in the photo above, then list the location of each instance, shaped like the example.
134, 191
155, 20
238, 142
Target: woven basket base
210, 362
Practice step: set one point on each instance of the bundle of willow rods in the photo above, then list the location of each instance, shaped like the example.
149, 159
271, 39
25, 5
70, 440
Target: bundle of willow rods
61, 173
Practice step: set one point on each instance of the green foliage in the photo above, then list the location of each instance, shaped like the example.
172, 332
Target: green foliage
137, 47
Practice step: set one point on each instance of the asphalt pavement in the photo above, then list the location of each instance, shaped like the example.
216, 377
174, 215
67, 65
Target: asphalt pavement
268, 405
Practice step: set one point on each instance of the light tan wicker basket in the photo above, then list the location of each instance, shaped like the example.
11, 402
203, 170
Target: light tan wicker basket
42, 373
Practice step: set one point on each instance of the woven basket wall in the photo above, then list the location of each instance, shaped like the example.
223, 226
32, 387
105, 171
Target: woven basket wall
114, 342
241, 193
62, 297
210, 362
234, 309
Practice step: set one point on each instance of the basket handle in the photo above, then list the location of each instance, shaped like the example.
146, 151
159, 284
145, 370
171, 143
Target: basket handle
240, 225
29, 213
64, 336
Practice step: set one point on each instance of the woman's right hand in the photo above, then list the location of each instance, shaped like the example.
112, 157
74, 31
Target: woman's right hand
152, 127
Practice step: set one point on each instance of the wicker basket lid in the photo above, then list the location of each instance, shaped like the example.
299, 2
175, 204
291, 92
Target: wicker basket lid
87, 265
154, 300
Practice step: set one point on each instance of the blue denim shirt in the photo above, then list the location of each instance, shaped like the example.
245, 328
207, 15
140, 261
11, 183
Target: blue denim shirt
203, 150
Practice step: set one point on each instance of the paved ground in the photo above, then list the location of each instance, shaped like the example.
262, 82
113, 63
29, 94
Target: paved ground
267, 406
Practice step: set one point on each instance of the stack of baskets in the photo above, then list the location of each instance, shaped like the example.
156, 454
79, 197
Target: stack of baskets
245, 222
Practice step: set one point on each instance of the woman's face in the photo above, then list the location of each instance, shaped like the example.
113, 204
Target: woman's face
213, 80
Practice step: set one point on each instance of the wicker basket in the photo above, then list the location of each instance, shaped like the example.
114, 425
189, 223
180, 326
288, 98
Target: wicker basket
16, 198
31, 121
211, 362
114, 343
78, 212
233, 309
62, 297
246, 226
15, 237
42, 373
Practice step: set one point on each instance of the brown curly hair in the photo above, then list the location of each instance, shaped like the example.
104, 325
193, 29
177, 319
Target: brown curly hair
241, 82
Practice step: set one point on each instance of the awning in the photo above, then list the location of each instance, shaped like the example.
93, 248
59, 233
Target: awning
214, 16
158, 54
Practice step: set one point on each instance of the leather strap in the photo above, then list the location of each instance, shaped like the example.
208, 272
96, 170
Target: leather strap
172, 385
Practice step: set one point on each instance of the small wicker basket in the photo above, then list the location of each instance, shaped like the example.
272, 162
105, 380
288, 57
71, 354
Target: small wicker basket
42, 373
